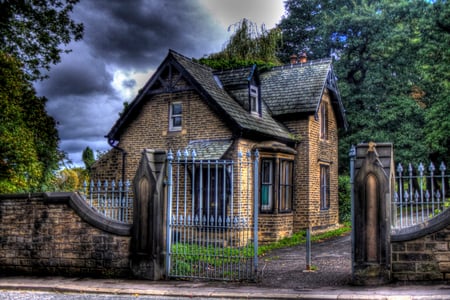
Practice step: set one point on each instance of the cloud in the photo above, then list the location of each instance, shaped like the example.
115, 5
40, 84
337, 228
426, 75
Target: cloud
124, 42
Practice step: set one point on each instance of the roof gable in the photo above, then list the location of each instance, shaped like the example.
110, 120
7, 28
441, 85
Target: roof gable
178, 73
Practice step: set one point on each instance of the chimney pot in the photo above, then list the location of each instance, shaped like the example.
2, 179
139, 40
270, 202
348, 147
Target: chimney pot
293, 58
303, 58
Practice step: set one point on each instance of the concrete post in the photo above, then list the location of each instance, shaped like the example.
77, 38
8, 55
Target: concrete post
374, 169
147, 245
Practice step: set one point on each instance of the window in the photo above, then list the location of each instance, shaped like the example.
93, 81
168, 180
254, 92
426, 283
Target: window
266, 185
324, 121
285, 185
254, 99
175, 116
324, 187
276, 185
212, 193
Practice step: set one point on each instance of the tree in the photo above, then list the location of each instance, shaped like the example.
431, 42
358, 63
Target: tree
28, 137
375, 44
34, 31
88, 158
301, 29
434, 64
248, 45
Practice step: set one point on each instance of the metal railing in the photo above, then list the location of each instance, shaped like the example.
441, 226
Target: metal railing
212, 228
111, 199
419, 195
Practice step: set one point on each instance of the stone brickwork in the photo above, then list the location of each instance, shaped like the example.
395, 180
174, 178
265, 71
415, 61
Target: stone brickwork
425, 258
42, 234
272, 228
312, 151
199, 122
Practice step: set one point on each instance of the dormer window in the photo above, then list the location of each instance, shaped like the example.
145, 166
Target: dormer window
175, 116
254, 100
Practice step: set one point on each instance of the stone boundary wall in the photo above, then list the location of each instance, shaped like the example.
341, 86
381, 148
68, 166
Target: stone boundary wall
59, 234
422, 252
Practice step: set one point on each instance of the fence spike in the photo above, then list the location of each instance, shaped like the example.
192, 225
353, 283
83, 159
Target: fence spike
442, 167
421, 168
400, 168
410, 169
170, 155
431, 168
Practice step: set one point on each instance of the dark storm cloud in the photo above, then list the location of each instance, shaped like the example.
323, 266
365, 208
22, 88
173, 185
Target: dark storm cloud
127, 35
136, 35
82, 74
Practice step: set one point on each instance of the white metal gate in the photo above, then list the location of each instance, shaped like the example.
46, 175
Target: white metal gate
212, 217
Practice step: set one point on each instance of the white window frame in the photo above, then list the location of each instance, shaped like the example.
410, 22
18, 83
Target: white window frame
173, 116
254, 99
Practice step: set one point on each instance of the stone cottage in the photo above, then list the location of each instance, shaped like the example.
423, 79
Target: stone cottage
290, 114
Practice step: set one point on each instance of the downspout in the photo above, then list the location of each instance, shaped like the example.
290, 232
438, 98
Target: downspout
113, 143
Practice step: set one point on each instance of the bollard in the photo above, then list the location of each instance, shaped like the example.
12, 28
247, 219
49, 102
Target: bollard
308, 249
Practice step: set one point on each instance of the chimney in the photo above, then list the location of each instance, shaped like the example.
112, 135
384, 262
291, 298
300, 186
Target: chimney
293, 58
303, 58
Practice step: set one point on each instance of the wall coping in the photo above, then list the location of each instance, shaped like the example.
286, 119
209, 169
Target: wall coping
435, 224
79, 205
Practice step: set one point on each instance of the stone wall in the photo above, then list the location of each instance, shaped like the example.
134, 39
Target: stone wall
422, 253
58, 234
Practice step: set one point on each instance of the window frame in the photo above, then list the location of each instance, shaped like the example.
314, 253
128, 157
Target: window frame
324, 187
173, 116
281, 191
286, 185
324, 121
253, 96
269, 207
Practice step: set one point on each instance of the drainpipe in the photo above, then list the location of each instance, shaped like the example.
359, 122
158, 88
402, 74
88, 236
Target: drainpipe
113, 143
352, 156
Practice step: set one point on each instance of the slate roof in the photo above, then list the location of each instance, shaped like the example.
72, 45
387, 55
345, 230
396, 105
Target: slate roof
284, 90
295, 88
204, 78
209, 149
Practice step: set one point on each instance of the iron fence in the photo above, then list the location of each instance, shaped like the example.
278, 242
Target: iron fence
212, 227
113, 200
420, 194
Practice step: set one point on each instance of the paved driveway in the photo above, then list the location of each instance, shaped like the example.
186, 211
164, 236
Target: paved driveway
285, 268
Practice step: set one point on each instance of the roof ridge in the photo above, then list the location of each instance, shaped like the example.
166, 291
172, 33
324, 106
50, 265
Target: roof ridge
232, 70
190, 59
299, 65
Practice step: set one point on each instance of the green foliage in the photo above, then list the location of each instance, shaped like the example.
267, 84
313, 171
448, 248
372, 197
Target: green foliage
88, 158
300, 238
70, 180
345, 204
392, 61
247, 46
28, 136
34, 31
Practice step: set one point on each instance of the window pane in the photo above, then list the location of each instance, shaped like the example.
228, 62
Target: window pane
286, 185
266, 185
176, 109
324, 187
176, 121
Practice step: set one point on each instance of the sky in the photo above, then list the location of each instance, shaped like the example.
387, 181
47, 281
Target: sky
123, 43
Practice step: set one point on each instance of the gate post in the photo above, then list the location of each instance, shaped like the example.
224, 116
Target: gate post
147, 244
371, 217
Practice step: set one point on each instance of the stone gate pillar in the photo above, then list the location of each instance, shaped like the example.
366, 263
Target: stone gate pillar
147, 245
373, 176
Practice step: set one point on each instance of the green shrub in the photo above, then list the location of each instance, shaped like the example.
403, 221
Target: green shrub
345, 205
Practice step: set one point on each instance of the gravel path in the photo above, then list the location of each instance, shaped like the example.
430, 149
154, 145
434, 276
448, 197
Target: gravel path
331, 259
